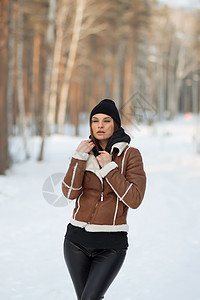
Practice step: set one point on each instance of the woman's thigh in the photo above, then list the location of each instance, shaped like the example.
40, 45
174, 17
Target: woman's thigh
78, 264
104, 268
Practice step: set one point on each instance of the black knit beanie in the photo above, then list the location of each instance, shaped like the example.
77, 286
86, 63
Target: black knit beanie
107, 107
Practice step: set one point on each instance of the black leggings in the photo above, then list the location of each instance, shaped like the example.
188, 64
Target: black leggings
92, 271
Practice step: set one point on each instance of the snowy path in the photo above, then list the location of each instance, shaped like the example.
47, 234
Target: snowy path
163, 261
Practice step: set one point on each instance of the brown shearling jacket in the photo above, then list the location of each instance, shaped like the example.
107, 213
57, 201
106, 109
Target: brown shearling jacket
103, 196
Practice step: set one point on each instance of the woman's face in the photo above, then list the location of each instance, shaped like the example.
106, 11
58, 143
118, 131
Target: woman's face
102, 127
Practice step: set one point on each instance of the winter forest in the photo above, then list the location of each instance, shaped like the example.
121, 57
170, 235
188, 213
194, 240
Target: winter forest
58, 59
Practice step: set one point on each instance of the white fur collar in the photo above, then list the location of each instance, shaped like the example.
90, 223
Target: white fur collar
92, 164
120, 146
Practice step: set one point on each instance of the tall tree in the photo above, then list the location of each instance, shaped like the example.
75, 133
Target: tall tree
49, 41
11, 48
63, 10
80, 5
20, 83
4, 21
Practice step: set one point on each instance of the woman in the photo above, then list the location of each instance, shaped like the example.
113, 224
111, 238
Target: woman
105, 177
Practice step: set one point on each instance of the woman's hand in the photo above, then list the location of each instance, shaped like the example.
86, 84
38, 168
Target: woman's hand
85, 146
104, 158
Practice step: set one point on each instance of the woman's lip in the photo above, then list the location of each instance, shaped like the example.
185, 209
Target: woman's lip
100, 132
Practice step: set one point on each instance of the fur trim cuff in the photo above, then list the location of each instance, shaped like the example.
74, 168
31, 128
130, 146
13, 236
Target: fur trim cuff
109, 167
80, 155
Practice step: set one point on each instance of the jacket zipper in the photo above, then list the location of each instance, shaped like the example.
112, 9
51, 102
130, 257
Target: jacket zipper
101, 199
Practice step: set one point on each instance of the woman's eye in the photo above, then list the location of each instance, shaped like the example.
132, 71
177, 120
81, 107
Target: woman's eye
95, 121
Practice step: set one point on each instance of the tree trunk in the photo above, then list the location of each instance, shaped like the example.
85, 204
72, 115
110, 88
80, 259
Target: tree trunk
80, 5
75, 105
11, 66
35, 78
181, 60
20, 84
4, 163
171, 79
60, 30
108, 74
50, 42
160, 86
119, 73
15, 101
128, 86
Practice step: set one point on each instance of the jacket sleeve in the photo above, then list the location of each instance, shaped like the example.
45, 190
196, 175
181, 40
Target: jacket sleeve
72, 182
129, 188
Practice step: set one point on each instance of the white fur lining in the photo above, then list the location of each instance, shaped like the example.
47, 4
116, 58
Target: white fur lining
120, 146
99, 228
109, 167
93, 166
80, 155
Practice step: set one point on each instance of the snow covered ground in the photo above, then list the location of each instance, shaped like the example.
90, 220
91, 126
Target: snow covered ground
163, 260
